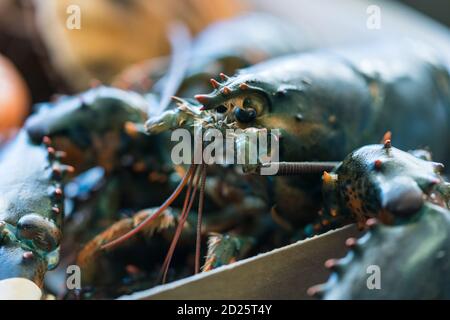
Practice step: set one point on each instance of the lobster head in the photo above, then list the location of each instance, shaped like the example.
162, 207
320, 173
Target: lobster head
295, 95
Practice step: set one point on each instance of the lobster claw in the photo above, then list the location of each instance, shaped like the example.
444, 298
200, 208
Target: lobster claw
401, 197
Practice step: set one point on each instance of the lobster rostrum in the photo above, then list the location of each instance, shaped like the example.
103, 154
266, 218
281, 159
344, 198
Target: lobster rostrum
403, 202
32, 200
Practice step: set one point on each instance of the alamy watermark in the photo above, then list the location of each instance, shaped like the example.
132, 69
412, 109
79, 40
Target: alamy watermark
374, 280
73, 280
73, 21
373, 21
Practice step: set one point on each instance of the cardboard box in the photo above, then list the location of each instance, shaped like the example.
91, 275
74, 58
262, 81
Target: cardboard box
284, 273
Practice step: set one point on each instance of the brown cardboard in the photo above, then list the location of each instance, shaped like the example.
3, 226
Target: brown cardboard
284, 273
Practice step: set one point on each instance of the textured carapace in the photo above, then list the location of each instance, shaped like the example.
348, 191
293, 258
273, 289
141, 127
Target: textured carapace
404, 254
384, 182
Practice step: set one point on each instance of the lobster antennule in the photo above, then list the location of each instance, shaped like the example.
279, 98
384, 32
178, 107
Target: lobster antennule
199, 183
188, 201
199, 218
151, 218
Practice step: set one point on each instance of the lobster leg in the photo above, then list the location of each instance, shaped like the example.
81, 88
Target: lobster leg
224, 249
93, 260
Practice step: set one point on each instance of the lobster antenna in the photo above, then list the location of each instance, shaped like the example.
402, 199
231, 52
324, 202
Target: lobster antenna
171, 250
299, 168
180, 41
154, 216
201, 200
183, 218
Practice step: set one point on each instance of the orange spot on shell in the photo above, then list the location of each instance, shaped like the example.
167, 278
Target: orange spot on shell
131, 129
350, 242
243, 86
223, 76
226, 90
139, 166
28, 255
378, 164
330, 263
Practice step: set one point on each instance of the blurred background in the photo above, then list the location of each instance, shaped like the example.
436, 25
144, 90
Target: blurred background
41, 57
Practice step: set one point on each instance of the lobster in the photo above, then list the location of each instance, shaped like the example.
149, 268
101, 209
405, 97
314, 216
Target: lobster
404, 203
318, 100
31, 230
101, 128
326, 103
32, 169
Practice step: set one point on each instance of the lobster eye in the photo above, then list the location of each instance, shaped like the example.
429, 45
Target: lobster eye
245, 115
247, 103
221, 109
42, 233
